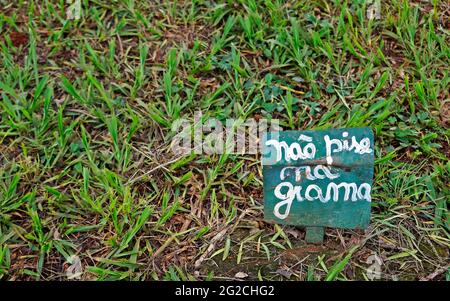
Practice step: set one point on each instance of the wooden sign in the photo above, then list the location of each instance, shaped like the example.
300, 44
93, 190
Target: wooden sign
318, 179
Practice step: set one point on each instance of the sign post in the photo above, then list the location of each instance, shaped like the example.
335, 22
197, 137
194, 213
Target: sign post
318, 179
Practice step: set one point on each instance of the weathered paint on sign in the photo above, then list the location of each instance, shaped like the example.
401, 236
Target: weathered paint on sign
318, 178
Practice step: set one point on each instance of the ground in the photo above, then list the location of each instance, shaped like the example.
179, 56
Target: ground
88, 182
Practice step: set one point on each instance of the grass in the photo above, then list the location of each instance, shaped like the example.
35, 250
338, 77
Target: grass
87, 108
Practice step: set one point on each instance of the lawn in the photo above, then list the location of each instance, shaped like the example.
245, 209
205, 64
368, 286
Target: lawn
90, 188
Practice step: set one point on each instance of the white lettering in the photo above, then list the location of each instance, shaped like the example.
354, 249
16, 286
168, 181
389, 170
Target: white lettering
293, 151
286, 192
310, 175
336, 146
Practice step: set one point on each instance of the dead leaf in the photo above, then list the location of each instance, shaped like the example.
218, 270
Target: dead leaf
284, 271
56, 235
445, 112
241, 275
294, 232
18, 38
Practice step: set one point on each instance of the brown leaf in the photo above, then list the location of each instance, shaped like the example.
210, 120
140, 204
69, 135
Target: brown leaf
294, 232
285, 272
18, 38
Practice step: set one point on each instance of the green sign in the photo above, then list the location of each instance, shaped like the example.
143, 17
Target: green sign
318, 179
